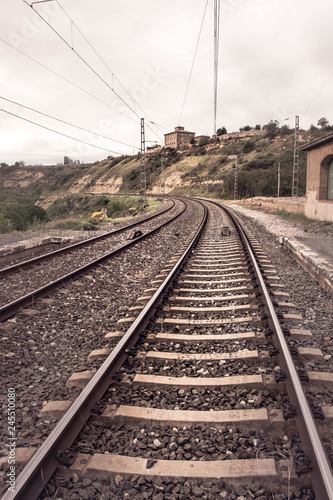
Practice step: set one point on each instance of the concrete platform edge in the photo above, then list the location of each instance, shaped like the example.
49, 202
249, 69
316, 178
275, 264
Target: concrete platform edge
319, 268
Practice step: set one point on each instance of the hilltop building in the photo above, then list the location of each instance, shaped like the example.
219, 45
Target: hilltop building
319, 180
178, 137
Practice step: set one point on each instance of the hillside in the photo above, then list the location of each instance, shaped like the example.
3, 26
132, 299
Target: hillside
195, 169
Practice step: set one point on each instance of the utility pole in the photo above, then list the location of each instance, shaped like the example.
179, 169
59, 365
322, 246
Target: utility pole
143, 187
236, 182
296, 158
216, 53
207, 182
279, 178
161, 175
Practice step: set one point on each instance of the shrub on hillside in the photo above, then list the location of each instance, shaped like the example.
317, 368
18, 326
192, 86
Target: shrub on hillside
90, 225
118, 159
249, 146
21, 211
118, 206
5, 225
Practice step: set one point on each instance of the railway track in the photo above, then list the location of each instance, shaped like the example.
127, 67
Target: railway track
203, 395
72, 261
18, 264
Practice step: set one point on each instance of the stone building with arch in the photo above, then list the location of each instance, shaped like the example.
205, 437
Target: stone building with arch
319, 181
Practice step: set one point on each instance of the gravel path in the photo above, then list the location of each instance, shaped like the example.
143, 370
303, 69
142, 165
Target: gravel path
319, 241
311, 301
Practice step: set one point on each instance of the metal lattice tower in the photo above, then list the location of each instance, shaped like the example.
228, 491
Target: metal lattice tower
236, 182
143, 187
216, 53
162, 182
296, 158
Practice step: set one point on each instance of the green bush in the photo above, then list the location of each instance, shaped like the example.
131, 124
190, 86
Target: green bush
77, 205
83, 206
203, 141
117, 206
21, 211
90, 225
5, 225
249, 146
118, 159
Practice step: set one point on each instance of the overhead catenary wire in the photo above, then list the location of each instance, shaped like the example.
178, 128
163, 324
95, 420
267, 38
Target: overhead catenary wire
193, 61
59, 133
68, 81
66, 123
100, 58
318, 93
83, 59
113, 76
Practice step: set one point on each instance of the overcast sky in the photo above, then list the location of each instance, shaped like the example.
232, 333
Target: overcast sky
275, 57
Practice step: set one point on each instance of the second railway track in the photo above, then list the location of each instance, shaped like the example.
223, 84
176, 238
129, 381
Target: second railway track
200, 398
51, 270
17, 264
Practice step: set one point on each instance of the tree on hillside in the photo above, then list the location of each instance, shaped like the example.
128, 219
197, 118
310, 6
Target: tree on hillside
323, 124
221, 131
203, 141
271, 129
67, 160
285, 130
249, 146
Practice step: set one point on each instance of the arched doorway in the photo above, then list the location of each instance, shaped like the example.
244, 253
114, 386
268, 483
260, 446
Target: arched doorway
330, 181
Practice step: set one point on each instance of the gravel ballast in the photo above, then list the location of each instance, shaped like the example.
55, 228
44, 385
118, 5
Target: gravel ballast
74, 334
43, 346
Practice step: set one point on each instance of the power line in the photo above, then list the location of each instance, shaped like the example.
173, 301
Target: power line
66, 79
195, 53
320, 90
81, 57
106, 65
100, 58
59, 133
66, 123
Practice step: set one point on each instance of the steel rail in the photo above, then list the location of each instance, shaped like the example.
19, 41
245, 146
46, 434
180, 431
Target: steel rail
10, 309
321, 473
36, 260
42, 465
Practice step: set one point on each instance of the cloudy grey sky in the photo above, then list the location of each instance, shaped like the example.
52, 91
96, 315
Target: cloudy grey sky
275, 57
